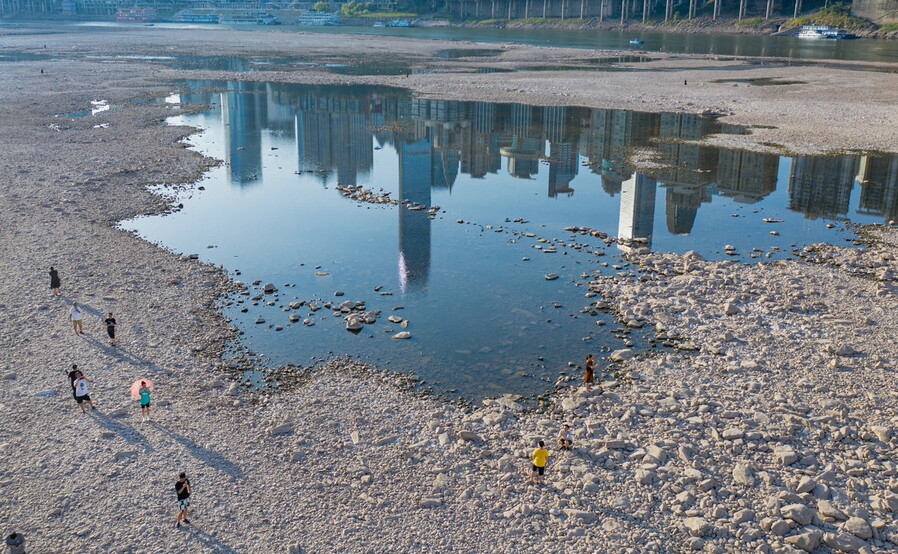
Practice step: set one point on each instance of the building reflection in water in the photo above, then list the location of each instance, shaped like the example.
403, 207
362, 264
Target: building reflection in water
335, 129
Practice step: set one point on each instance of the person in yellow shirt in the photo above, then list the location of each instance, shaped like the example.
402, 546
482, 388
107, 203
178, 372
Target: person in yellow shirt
540, 458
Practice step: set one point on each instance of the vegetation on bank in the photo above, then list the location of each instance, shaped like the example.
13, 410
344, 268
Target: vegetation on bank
835, 15
750, 22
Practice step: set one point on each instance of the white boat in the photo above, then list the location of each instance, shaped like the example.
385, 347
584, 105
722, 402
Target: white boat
399, 23
637, 41
318, 19
378, 24
822, 32
250, 18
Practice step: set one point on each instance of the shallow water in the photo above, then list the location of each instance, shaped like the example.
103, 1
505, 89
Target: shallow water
691, 43
484, 320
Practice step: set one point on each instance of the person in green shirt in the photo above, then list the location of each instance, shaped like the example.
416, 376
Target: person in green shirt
540, 457
144, 393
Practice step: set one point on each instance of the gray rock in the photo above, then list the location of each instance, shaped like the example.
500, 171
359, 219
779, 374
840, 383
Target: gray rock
843, 542
697, 526
732, 434
581, 515
799, 513
858, 527
805, 484
805, 541
430, 502
282, 429
622, 355
468, 436
402, 335
48, 392
645, 476
786, 455
743, 475
269, 288
827, 509
882, 432
121, 412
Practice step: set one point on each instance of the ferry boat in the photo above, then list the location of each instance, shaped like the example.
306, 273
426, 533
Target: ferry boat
188, 17
135, 15
318, 19
399, 23
637, 42
248, 18
822, 32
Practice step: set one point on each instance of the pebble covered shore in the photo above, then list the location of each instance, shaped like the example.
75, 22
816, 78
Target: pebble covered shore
777, 433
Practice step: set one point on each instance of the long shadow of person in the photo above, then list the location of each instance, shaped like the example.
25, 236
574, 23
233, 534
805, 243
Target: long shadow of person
121, 354
210, 542
209, 457
130, 434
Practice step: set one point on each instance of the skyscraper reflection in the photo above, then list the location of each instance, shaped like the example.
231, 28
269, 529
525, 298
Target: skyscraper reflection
335, 130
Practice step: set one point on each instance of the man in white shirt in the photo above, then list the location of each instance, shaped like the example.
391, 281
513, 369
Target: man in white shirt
76, 317
81, 393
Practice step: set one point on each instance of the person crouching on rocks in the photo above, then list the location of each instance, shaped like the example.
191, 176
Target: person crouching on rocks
565, 439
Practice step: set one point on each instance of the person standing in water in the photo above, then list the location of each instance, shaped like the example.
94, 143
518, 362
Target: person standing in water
54, 282
77, 319
110, 328
144, 393
589, 372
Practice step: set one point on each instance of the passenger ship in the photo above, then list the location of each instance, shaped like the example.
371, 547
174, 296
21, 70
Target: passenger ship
822, 31
135, 15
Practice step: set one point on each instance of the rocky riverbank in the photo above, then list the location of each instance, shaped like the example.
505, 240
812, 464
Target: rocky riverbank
775, 435
700, 25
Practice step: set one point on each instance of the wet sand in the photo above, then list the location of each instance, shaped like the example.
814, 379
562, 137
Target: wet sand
681, 452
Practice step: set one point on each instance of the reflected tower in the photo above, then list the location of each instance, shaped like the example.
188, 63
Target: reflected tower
637, 208
822, 186
243, 114
416, 169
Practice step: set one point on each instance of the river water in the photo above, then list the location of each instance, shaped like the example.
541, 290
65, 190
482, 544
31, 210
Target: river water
688, 43
483, 317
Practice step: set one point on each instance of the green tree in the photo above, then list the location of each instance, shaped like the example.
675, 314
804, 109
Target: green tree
353, 8
321, 6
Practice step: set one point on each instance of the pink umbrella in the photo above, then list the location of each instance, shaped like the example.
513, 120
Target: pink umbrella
137, 385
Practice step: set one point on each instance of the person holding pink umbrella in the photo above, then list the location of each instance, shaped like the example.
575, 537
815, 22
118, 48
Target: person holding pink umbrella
141, 389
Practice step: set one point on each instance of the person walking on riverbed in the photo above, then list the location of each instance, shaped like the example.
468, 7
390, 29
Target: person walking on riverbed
589, 373
144, 392
540, 458
77, 319
110, 328
82, 393
183, 490
54, 282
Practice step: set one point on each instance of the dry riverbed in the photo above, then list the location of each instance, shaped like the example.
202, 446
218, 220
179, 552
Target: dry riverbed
776, 434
